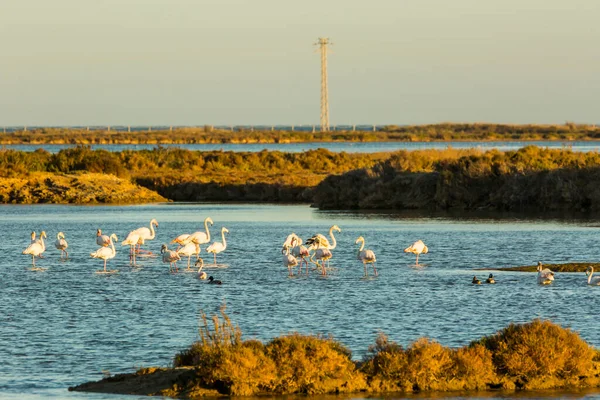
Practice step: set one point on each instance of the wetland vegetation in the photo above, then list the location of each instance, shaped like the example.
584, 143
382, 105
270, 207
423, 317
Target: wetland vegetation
527, 179
530, 356
208, 134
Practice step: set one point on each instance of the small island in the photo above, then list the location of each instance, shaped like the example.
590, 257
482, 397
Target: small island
222, 363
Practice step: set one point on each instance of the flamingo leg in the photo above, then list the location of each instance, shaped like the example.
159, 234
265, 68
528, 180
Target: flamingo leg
417, 263
33, 260
374, 269
67, 253
189, 257
104, 265
366, 272
215, 254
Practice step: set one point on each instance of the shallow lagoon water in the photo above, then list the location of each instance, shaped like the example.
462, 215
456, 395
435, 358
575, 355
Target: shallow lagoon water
64, 326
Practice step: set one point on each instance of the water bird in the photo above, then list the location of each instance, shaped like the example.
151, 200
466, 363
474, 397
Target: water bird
169, 256
189, 250
322, 255
213, 281
289, 261
202, 275
181, 239
36, 247
201, 237
366, 256
132, 239
62, 245
545, 276
490, 279
218, 247
289, 241
476, 281
592, 281
106, 253
146, 233
417, 248
102, 240
200, 264
321, 241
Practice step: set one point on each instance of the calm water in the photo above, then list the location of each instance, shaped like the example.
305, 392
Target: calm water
349, 147
64, 326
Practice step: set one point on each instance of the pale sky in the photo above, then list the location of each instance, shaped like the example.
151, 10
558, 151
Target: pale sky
196, 62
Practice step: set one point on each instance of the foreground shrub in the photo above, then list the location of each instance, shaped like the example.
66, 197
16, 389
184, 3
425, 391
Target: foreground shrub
539, 349
313, 365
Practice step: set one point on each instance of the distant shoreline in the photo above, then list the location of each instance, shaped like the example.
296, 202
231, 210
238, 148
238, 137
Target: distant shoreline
247, 135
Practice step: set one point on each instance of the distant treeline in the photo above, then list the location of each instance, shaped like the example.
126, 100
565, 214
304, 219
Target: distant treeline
210, 135
531, 178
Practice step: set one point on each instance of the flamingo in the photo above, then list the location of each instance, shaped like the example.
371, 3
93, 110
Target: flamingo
36, 247
169, 256
366, 256
106, 253
300, 251
61, 244
289, 260
181, 240
189, 250
132, 239
145, 233
218, 247
321, 254
417, 248
545, 276
200, 264
589, 272
476, 281
200, 237
102, 240
288, 241
490, 279
321, 241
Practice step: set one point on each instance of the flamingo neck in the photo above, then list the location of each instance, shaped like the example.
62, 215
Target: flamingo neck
590, 276
152, 231
362, 245
112, 245
206, 228
223, 236
333, 241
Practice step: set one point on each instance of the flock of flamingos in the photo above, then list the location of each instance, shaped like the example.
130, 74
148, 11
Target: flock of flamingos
296, 253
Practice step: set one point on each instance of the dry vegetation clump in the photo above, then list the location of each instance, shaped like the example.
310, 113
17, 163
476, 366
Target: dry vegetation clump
427, 366
540, 355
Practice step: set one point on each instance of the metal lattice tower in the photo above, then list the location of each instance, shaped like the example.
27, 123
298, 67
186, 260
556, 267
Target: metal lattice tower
323, 42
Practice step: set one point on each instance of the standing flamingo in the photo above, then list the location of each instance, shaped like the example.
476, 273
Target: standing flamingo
321, 241
417, 248
61, 244
106, 253
102, 240
36, 247
366, 256
169, 256
218, 247
200, 237
181, 240
189, 250
300, 251
132, 240
289, 261
146, 234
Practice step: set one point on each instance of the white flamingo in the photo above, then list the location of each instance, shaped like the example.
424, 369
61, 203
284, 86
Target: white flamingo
200, 237
61, 244
218, 247
145, 233
366, 256
102, 240
300, 251
132, 239
36, 247
321, 241
322, 254
545, 276
106, 253
169, 256
417, 248
288, 241
592, 281
189, 250
181, 240
289, 261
